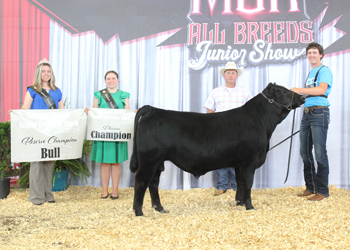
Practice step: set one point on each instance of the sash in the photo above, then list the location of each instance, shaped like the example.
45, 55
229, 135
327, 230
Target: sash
109, 99
315, 81
46, 97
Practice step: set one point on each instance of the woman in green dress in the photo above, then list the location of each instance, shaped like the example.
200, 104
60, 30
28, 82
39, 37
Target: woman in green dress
110, 154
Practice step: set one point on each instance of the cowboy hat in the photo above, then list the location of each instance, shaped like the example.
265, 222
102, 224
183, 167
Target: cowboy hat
231, 65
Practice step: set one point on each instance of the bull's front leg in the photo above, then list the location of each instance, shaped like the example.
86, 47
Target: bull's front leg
247, 199
248, 178
139, 193
154, 192
239, 192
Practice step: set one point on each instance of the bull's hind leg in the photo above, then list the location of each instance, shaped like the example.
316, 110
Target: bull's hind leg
139, 194
142, 180
154, 192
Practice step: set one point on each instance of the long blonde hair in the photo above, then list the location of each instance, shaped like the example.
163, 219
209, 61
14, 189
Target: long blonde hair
37, 76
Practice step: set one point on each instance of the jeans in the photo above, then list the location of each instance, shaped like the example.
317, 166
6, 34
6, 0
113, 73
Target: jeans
313, 132
225, 177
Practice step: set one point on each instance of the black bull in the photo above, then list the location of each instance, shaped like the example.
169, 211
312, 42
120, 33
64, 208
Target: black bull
198, 143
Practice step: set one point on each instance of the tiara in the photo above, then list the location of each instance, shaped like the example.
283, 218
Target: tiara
43, 62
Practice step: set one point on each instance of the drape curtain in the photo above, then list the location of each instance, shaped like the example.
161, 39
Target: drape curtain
24, 42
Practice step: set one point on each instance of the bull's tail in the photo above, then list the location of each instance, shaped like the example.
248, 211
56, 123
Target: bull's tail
134, 161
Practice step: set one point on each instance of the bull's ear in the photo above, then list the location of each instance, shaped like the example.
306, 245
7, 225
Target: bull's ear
268, 85
268, 89
274, 83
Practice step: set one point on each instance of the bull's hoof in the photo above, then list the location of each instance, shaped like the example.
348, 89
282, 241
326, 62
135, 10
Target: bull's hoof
250, 208
163, 211
160, 209
240, 203
138, 213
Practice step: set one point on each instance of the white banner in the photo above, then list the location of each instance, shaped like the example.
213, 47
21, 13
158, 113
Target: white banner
46, 135
110, 124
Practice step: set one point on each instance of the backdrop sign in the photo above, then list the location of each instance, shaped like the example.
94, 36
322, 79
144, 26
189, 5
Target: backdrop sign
46, 135
110, 124
246, 32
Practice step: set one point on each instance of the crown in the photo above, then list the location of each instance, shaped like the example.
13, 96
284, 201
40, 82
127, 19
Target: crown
43, 61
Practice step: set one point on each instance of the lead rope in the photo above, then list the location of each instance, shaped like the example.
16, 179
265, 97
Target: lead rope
290, 146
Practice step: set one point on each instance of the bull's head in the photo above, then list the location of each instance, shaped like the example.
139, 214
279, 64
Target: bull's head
283, 97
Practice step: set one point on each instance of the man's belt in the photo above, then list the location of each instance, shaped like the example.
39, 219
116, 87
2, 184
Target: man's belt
310, 109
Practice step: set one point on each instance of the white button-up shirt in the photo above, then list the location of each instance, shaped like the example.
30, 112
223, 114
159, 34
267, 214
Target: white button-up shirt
223, 98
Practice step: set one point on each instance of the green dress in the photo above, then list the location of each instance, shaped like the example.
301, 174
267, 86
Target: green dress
109, 151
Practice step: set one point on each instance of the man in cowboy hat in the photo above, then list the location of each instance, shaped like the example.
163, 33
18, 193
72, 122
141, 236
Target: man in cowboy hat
228, 96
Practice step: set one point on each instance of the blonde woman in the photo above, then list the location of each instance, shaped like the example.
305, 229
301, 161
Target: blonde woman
43, 94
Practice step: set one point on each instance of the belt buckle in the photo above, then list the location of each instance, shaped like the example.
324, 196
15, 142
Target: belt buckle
306, 110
